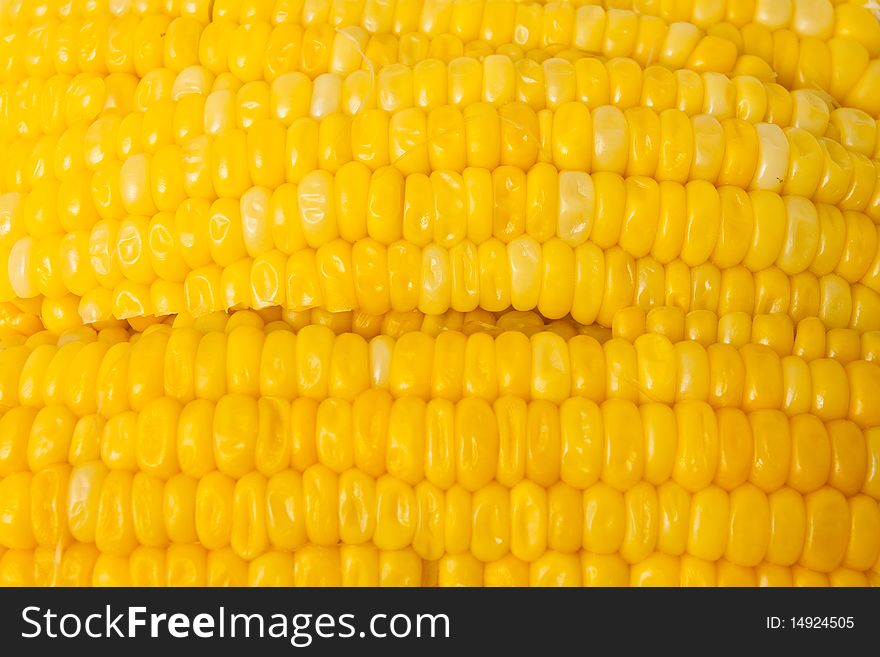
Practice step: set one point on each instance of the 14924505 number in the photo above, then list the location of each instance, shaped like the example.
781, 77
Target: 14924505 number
822, 622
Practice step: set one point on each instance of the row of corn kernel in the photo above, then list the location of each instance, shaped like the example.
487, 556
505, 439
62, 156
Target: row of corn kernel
469, 21
365, 565
668, 146
665, 570
29, 325
28, 379
18, 12
843, 66
53, 434
705, 226
726, 225
34, 364
256, 50
119, 511
652, 369
167, 435
588, 80
666, 143
696, 221
49, 107
61, 100
807, 339
57, 315
551, 84
81, 564
586, 282
620, 33
538, 440
314, 363
806, 18
613, 33
40, 320
255, 47
768, 291
392, 323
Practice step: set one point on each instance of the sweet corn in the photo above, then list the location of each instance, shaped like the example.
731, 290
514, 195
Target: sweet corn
458, 294
808, 267
619, 493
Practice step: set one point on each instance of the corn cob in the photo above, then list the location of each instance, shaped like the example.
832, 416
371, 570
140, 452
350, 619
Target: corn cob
362, 74
514, 87
665, 143
542, 294
817, 254
428, 84
348, 129
549, 446
352, 53
842, 66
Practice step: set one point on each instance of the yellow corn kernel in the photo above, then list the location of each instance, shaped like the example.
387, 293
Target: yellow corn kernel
604, 519
692, 368
235, 433
395, 515
619, 284
114, 531
555, 569
490, 535
285, 511
610, 140
707, 537
701, 326
460, 570
804, 296
697, 450
848, 456
529, 518
565, 518
863, 547
513, 350
658, 422
629, 323
320, 492
511, 414
826, 529
604, 570
810, 454
589, 283
195, 438
49, 437
359, 565
213, 510
156, 448
667, 321
640, 215
400, 568
147, 510
657, 570
543, 443
642, 520
179, 508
